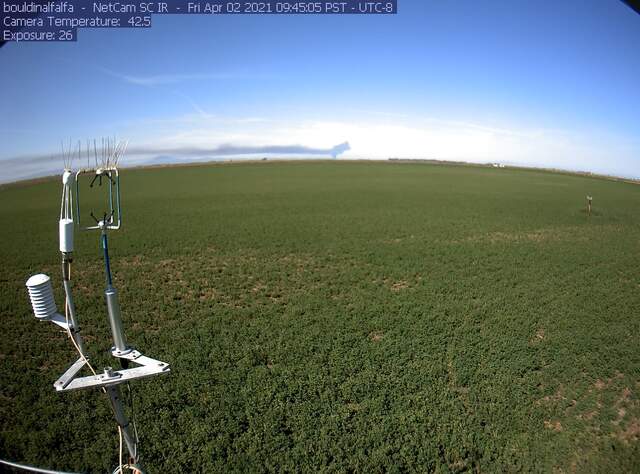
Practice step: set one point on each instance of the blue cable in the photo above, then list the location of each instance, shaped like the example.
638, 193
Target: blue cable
107, 263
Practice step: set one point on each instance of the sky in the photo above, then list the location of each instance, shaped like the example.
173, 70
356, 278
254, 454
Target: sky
545, 84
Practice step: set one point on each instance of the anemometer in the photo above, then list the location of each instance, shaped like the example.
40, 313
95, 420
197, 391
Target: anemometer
106, 179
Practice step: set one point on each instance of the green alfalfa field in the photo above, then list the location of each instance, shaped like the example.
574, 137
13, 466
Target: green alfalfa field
339, 317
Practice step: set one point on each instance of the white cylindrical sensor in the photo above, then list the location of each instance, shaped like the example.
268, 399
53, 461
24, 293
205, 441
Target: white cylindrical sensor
68, 178
41, 295
66, 235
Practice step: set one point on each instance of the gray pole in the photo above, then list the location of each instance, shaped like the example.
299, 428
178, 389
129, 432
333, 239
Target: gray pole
75, 329
115, 320
111, 295
116, 404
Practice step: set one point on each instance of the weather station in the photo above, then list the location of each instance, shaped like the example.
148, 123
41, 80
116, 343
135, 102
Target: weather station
104, 178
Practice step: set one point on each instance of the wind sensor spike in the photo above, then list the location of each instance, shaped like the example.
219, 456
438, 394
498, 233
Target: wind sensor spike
106, 159
67, 155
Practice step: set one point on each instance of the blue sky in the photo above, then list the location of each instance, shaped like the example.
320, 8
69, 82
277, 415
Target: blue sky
544, 83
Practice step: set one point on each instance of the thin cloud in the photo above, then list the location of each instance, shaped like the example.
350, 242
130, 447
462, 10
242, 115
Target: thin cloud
174, 79
201, 112
235, 150
167, 79
31, 166
164, 79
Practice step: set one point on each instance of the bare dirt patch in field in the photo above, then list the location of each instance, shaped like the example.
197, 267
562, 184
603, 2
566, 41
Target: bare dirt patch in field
606, 409
543, 235
538, 337
631, 432
555, 398
553, 425
399, 285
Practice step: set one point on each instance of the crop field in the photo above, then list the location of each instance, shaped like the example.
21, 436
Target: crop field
338, 317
